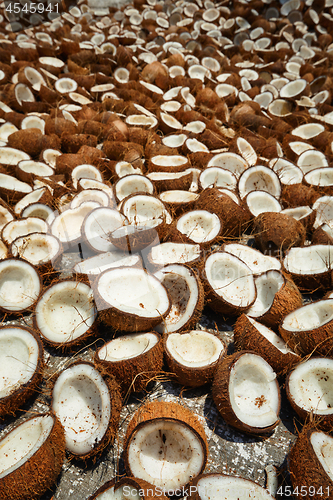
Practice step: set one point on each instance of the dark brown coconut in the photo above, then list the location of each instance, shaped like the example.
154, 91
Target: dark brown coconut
27, 140
276, 232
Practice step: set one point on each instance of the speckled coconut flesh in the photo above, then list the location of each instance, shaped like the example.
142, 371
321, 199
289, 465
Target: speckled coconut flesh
165, 445
37, 248
200, 226
246, 393
36, 444
130, 299
257, 262
222, 487
65, 313
193, 356
310, 267
87, 409
173, 253
310, 390
20, 285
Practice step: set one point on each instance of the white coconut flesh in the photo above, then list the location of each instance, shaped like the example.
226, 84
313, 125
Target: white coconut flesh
268, 285
5, 216
288, 172
253, 391
81, 401
165, 454
142, 121
310, 386
171, 253
39, 210
271, 336
229, 161
50, 156
35, 167
156, 176
309, 316
3, 251
298, 147
255, 260
231, 279
218, 177
308, 130
133, 291
178, 196
196, 349
65, 311
131, 184
220, 487
98, 263
259, 178
298, 213
96, 195
99, 224
142, 210
23, 227
294, 89
183, 291
311, 160
124, 168
169, 161
19, 285
19, 354
128, 347
199, 225
173, 141
23, 442
320, 177
6, 130
310, 260
67, 226
85, 172
322, 445
36, 248
13, 184
33, 121
28, 199
23, 94
259, 202
324, 211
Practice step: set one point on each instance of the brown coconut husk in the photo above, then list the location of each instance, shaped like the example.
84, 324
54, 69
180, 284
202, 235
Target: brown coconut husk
72, 143
277, 232
27, 140
220, 393
248, 337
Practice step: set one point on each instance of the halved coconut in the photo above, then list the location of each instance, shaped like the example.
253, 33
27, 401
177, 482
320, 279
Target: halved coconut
21, 365
251, 335
310, 267
218, 177
276, 232
23, 227
217, 486
259, 178
11, 189
42, 250
142, 209
229, 283
311, 159
187, 297
133, 359
98, 225
258, 202
96, 195
130, 299
310, 463
131, 184
246, 393
67, 226
257, 262
309, 390
324, 210
193, 356
85, 171
36, 444
6, 216
134, 238
20, 285
165, 445
39, 210
65, 314
88, 406
95, 265
173, 253
230, 161
310, 328
168, 163
200, 226
27, 170
41, 195
277, 296
287, 171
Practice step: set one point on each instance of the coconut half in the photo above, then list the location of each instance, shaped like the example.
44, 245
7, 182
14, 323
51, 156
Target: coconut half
133, 359
41, 250
246, 393
88, 408
173, 253
36, 444
310, 267
193, 356
165, 445
20, 285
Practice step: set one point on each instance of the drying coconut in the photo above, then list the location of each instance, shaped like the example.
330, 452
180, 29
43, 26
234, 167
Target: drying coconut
305, 215
309, 464
142, 209
6, 215
230, 161
131, 184
178, 201
186, 295
98, 225
323, 235
276, 232
172, 437
65, 314
229, 283
133, 359
310, 328
95, 265
89, 422
28, 170
255, 260
173, 253
96, 195
36, 444
251, 335
258, 202
21, 362
67, 226
23, 227
168, 163
309, 390
246, 393
197, 226
42, 250
259, 178
224, 487
219, 178
310, 267
193, 356
41, 195
130, 299
134, 238
39, 210
277, 296
11, 189
164, 181
20, 286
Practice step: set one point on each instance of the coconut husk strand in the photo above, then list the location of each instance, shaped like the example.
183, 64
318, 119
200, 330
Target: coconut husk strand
134, 372
253, 395
251, 335
278, 232
37, 474
308, 472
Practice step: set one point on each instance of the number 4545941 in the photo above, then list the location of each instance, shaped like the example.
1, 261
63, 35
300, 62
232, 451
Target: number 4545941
303, 491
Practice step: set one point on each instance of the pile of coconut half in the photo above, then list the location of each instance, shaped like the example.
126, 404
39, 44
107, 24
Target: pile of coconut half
166, 224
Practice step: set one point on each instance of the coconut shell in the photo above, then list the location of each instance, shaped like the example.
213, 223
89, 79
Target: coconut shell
305, 469
321, 237
40, 472
248, 337
135, 373
298, 195
72, 143
27, 140
277, 232
160, 410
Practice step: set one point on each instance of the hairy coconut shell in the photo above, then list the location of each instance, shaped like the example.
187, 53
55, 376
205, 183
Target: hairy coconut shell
277, 232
